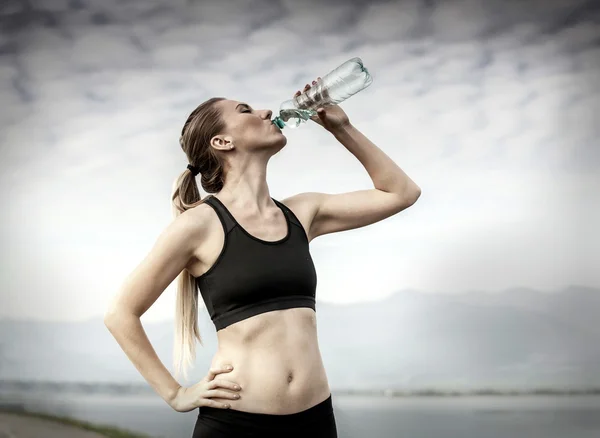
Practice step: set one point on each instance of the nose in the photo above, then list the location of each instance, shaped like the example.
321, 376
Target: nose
268, 114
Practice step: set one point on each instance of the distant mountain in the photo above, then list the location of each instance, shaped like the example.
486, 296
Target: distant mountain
576, 305
518, 338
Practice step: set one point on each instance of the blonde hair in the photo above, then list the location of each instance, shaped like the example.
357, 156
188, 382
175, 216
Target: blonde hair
202, 124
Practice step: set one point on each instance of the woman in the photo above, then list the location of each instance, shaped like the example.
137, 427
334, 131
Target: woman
249, 256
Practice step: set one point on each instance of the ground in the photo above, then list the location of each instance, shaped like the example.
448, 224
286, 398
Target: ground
23, 426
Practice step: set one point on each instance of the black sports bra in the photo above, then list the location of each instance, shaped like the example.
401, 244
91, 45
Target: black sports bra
253, 276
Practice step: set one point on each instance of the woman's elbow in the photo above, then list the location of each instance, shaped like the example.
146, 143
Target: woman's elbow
113, 317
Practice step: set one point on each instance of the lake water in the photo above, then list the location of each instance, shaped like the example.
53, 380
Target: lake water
359, 416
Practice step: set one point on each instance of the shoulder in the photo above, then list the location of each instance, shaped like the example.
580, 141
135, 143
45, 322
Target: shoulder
190, 231
193, 224
305, 203
304, 206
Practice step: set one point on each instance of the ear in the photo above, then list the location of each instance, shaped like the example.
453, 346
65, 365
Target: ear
221, 142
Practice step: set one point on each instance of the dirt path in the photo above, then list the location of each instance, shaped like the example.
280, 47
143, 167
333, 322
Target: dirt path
23, 426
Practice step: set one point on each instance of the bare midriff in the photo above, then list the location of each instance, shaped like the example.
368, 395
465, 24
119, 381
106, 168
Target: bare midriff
276, 361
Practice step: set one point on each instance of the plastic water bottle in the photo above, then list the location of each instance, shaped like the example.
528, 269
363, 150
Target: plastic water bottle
335, 87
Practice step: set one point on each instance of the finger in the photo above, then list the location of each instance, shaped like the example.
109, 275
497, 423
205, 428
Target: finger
306, 87
217, 370
217, 393
213, 404
314, 82
223, 384
298, 93
320, 113
317, 120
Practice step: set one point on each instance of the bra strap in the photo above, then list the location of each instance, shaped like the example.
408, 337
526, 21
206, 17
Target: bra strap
226, 219
289, 213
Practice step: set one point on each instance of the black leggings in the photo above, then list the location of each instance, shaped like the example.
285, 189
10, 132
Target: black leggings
315, 422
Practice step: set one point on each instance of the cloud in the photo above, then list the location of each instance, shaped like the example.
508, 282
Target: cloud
489, 106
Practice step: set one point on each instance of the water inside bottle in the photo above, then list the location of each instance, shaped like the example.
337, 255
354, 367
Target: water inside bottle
292, 118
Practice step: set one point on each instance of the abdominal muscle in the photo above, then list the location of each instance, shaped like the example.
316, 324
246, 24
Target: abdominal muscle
276, 361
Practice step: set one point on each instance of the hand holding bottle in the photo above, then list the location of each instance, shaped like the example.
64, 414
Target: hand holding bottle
319, 102
331, 117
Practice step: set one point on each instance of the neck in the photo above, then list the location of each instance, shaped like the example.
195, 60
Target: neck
246, 186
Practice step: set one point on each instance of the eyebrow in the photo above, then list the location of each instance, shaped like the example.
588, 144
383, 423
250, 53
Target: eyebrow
243, 104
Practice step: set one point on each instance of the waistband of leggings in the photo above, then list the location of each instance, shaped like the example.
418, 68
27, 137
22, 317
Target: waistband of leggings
268, 420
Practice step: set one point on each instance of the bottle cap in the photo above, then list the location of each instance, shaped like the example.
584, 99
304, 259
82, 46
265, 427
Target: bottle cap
277, 121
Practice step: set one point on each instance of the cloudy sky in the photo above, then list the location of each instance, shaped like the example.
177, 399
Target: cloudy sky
490, 107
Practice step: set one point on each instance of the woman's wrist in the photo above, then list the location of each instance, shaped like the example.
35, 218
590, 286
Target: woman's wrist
172, 398
342, 130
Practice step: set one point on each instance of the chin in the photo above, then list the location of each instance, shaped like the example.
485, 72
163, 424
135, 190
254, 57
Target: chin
281, 140
279, 145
